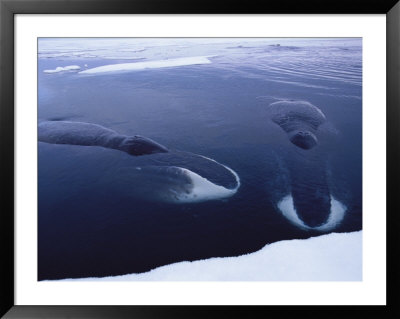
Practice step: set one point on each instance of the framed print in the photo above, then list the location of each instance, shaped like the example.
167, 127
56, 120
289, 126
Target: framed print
161, 155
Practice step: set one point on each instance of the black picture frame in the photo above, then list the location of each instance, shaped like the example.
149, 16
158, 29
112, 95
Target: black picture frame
8, 8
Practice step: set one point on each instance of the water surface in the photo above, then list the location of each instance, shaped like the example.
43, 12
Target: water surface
92, 222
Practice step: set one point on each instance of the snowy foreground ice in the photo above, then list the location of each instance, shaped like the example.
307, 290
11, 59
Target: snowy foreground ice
332, 257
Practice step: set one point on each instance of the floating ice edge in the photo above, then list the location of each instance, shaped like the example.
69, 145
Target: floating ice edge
135, 66
63, 68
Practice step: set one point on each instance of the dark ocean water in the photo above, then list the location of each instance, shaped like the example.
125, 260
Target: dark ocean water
95, 220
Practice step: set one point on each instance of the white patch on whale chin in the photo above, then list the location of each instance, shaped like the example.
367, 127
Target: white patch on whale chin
203, 189
336, 215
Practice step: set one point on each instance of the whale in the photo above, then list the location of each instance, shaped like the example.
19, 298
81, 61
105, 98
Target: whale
299, 119
89, 134
307, 200
164, 174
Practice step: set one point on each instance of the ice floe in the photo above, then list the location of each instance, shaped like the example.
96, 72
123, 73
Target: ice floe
148, 65
63, 68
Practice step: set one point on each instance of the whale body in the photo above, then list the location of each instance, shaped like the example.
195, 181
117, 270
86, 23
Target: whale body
88, 134
310, 188
163, 175
299, 119
310, 204
308, 196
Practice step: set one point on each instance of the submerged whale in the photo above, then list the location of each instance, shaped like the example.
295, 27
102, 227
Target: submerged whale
307, 202
88, 134
162, 175
299, 119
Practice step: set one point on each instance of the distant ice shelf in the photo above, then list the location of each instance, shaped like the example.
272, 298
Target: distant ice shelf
63, 68
331, 257
148, 65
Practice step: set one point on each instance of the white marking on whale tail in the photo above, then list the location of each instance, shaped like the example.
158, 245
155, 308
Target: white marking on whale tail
204, 190
336, 215
148, 65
